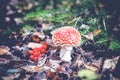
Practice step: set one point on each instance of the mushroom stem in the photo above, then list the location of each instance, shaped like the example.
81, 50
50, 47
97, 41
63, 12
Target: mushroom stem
65, 54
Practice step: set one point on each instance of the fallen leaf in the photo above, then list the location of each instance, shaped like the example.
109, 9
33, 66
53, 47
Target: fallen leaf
32, 68
90, 67
96, 32
4, 50
110, 63
89, 36
34, 45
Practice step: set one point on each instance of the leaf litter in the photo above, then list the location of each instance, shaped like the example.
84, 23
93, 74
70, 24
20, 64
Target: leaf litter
15, 62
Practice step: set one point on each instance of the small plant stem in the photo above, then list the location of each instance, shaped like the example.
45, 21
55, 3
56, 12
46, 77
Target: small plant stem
104, 24
105, 55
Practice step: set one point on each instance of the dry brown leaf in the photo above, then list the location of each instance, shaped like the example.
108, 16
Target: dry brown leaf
32, 68
79, 62
90, 67
35, 38
52, 75
110, 63
4, 50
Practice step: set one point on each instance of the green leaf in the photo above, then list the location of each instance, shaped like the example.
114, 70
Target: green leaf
88, 74
114, 45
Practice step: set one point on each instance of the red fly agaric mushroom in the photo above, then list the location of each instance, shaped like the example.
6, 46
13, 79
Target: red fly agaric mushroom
67, 37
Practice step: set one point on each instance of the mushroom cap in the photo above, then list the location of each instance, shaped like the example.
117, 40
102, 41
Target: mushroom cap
66, 36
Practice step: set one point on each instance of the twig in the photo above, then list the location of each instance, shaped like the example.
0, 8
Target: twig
107, 48
105, 55
82, 54
104, 24
75, 20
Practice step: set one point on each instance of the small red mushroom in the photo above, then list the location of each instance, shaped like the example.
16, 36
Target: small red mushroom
67, 37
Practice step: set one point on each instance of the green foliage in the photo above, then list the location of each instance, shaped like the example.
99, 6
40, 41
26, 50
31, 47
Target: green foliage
29, 27
7, 31
50, 16
69, 13
88, 74
114, 45
88, 3
101, 38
